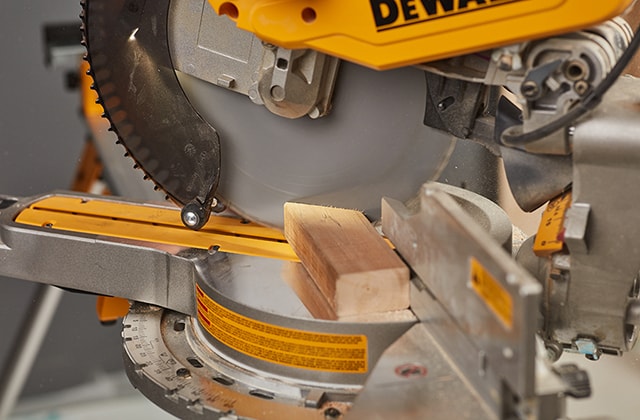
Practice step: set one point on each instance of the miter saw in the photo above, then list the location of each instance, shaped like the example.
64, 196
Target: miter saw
342, 104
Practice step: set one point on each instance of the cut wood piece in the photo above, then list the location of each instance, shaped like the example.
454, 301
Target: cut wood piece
354, 268
298, 278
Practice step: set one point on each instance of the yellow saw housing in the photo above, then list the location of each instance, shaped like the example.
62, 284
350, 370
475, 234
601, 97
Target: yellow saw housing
385, 34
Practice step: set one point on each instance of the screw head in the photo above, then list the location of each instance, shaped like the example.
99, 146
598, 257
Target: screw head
530, 89
190, 218
411, 370
505, 62
581, 87
332, 413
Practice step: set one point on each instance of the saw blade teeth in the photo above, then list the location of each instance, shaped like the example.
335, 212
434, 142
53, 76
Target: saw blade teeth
104, 75
102, 23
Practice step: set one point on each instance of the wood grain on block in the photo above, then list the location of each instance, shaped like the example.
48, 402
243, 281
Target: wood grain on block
354, 268
298, 278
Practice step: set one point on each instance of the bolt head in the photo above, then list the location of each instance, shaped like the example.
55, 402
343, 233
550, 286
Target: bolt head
332, 413
530, 89
505, 62
191, 219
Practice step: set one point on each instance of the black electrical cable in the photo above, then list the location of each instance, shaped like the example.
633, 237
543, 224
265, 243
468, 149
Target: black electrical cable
590, 101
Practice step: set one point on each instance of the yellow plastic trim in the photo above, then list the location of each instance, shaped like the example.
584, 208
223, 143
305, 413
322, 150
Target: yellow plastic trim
154, 224
391, 33
110, 309
549, 237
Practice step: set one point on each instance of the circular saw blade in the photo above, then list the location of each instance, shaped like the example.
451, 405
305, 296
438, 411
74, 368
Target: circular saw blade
130, 62
373, 144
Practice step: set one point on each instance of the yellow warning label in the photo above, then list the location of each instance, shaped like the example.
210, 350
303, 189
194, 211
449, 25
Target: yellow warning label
492, 293
549, 238
285, 346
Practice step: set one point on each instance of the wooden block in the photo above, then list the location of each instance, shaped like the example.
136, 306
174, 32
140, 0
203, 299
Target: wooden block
354, 268
298, 278
632, 15
310, 295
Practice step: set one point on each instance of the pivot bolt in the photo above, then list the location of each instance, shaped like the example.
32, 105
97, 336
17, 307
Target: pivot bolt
195, 215
190, 219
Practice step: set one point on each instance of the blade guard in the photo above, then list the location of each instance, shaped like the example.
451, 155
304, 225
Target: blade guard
128, 51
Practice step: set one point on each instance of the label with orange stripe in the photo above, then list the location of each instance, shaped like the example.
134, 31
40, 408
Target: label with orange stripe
341, 353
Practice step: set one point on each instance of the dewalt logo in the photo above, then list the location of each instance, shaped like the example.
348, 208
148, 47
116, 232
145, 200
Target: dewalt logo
393, 14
